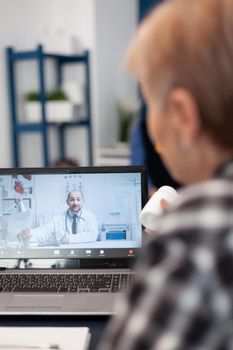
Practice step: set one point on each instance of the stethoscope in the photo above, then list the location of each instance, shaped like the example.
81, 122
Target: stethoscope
79, 217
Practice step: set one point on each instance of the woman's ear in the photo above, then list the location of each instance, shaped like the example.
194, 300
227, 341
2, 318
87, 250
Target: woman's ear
185, 116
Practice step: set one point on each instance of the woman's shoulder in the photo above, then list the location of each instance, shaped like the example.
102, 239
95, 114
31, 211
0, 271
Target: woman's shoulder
200, 207
201, 194
216, 187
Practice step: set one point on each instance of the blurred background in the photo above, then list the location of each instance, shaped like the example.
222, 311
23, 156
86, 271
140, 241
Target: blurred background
69, 28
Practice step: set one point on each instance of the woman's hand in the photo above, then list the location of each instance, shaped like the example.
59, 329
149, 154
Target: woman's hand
163, 204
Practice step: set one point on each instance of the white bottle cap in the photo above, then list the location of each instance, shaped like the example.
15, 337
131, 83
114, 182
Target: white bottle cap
152, 209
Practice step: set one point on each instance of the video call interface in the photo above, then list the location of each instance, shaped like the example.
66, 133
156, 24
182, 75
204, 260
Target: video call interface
70, 215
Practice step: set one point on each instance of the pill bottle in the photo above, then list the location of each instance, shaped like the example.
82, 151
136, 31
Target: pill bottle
152, 210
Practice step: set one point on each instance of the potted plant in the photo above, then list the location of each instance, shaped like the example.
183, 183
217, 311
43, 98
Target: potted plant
58, 108
126, 116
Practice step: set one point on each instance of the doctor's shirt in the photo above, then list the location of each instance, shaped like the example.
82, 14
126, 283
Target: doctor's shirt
61, 225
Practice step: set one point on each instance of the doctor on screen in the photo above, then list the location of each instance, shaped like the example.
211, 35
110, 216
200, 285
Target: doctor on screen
75, 225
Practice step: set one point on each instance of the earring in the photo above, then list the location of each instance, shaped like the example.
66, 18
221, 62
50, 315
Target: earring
157, 149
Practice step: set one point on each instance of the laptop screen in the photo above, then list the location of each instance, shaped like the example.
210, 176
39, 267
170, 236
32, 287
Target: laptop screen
70, 213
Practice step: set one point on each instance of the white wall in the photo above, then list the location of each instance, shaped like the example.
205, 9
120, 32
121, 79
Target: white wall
115, 24
104, 27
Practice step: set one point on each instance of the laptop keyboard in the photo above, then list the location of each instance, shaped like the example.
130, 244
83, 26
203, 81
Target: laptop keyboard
63, 283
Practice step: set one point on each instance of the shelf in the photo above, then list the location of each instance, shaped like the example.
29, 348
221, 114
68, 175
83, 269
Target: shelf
29, 55
19, 127
119, 155
37, 127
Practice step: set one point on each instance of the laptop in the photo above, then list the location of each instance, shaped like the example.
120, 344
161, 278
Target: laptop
48, 265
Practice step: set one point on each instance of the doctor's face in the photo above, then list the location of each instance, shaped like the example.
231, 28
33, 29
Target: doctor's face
75, 201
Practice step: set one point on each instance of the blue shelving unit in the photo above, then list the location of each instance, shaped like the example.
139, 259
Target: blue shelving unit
42, 127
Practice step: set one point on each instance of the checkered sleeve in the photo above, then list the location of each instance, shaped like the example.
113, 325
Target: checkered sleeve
176, 302
182, 298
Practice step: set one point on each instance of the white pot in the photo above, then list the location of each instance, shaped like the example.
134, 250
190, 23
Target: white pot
56, 111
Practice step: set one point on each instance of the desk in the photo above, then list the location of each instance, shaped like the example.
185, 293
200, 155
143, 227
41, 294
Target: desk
95, 323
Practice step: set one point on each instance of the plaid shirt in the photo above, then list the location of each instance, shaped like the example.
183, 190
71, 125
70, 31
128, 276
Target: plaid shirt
183, 294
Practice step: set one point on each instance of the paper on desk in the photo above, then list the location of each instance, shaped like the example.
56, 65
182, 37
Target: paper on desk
68, 338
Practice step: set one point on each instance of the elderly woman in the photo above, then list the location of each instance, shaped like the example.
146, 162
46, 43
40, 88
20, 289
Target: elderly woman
182, 56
